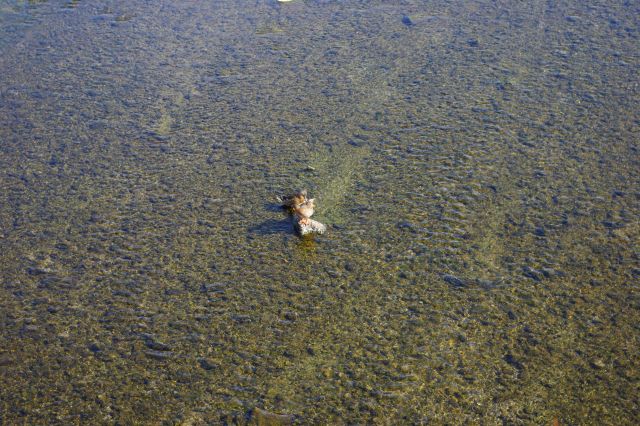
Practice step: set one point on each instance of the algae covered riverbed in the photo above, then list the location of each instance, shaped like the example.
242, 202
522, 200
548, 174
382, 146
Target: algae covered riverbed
476, 164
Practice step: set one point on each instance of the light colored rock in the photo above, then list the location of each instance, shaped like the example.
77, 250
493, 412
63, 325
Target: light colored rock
310, 227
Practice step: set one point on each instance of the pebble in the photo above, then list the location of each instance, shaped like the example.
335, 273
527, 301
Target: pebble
386, 394
161, 355
539, 231
213, 287
612, 225
550, 272
266, 418
290, 316
241, 318
487, 284
207, 364
453, 280
31, 328
5, 360
333, 273
511, 360
158, 346
38, 271
406, 225
157, 136
534, 274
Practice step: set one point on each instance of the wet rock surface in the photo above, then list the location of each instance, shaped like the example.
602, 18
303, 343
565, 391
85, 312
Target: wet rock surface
308, 227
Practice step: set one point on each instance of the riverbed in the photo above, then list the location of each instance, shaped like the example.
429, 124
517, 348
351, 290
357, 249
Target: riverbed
476, 165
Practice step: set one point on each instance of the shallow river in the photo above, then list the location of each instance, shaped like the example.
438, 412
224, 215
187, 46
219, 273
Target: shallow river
477, 165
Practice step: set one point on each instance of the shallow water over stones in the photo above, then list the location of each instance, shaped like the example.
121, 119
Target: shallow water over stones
476, 165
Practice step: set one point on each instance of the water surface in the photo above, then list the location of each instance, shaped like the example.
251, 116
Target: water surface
476, 163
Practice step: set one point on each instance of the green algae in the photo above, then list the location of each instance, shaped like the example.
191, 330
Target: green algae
335, 172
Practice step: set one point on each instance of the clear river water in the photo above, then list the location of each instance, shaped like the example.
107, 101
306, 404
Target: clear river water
476, 164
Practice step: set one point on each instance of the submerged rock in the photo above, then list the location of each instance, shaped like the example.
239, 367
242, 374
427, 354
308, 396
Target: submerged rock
532, 273
5, 360
453, 280
407, 226
208, 364
157, 346
262, 417
160, 355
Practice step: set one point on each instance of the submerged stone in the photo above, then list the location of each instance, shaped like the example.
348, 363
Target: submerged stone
207, 364
262, 417
407, 21
160, 355
532, 273
453, 280
612, 225
5, 360
550, 272
407, 226
158, 346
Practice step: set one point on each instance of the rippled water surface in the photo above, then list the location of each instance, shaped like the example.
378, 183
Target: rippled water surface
476, 163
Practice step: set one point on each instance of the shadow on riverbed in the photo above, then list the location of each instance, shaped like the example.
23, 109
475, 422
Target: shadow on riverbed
273, 226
